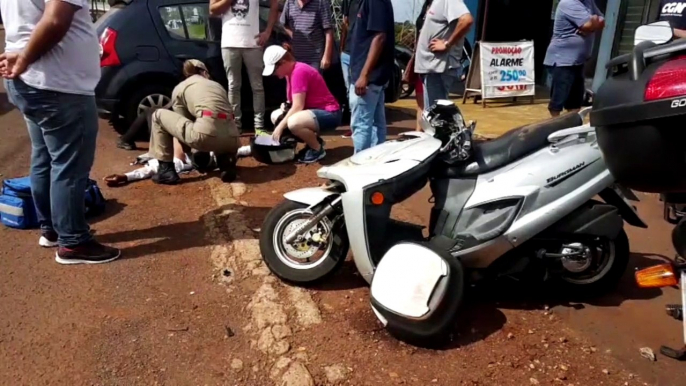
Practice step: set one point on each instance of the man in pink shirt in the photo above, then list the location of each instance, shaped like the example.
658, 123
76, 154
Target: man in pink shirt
313, 107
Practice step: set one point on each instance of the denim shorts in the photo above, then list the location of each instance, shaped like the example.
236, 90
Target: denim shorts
567, 90
327, 120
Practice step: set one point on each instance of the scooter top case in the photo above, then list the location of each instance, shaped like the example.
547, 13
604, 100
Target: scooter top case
640, 117
416, 292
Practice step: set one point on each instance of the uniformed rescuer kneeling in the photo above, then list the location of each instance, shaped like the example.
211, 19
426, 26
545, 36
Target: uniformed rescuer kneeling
201, 118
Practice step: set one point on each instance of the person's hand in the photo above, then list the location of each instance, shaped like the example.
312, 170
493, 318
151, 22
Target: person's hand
262, 38
276, 135
438, 45
361, 85
12, 64
326, 63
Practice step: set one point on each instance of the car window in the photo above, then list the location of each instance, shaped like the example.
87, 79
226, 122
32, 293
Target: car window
171, 17
196, 20
195, 17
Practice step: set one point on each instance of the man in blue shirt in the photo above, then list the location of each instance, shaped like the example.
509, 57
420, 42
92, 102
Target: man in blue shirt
371, 62
576, 22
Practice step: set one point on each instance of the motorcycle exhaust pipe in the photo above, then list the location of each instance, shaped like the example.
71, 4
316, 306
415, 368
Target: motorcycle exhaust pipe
307, 225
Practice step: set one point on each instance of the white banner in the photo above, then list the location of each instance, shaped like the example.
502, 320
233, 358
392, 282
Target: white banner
507, 69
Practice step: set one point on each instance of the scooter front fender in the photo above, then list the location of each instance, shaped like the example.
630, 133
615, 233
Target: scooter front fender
309, 196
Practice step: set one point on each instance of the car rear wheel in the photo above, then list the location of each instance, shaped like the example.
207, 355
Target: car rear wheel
145, 98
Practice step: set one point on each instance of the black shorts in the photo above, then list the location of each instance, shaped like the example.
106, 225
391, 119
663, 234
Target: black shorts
567, 91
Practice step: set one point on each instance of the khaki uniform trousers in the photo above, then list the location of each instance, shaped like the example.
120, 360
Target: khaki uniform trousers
204, 134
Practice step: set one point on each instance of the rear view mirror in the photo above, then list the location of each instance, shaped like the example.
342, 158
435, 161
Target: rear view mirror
659, 33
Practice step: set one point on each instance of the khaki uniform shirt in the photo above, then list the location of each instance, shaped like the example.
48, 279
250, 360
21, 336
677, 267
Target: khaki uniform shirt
196, 94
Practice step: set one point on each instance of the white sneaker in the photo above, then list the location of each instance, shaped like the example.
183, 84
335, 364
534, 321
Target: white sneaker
45, 242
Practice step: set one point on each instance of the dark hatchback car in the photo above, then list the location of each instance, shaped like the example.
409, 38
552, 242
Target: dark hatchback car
143, 46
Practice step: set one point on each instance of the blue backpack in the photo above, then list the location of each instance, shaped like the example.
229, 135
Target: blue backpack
17, 209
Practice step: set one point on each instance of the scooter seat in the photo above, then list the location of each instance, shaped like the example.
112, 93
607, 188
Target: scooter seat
511, 146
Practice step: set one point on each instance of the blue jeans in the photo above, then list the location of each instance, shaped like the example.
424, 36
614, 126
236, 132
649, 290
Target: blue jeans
437, 86
327, 120
345, 66
368, 120
63, 128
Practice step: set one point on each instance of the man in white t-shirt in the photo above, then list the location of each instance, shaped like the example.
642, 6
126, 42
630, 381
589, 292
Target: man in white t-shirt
242, 44
51, 66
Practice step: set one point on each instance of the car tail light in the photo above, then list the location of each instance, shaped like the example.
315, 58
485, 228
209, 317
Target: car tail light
108, 54
669, 80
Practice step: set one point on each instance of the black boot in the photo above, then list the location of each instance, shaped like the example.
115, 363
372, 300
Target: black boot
166, 174
227, 165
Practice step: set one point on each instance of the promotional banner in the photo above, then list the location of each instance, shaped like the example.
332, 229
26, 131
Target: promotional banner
507, 69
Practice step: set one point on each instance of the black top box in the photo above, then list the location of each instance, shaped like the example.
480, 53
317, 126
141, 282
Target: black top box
640, 118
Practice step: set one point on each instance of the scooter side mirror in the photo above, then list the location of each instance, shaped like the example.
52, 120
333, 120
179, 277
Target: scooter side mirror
659, 33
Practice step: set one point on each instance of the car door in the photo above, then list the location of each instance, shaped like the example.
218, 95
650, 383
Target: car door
184, 27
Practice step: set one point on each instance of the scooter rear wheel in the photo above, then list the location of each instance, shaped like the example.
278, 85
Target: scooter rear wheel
605, 268
294, 262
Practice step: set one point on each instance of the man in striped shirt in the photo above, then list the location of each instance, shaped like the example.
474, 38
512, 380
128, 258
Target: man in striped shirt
310, 26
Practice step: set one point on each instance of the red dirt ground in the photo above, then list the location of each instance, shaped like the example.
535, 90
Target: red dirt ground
161, 316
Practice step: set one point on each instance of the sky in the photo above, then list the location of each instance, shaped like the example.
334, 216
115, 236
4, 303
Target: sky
406, 9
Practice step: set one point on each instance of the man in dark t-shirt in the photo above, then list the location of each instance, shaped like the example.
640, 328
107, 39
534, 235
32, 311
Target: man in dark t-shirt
372, 47
349, 9
675, 13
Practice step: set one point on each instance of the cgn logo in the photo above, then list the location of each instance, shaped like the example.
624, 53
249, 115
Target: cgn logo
676, 8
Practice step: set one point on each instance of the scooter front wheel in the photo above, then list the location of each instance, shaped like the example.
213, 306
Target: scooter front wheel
317, 254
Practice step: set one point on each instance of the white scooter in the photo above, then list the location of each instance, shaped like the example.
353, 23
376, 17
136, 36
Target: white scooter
501, 207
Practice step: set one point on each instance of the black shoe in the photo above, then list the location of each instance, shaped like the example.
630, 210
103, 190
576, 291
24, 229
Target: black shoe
91, 252
227, 165
125, 145
166, 174
48, 239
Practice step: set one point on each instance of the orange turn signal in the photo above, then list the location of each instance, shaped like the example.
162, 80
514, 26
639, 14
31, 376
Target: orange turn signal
657, 276
377, 198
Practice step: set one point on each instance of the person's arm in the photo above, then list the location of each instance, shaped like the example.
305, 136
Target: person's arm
344, 32
177, 104
680, 33
263, 37
284, 19
297, 105
409, 69
345, 10
580, 17
49, 31
372, 58
219, 7
380, 15
327, 26
454, 10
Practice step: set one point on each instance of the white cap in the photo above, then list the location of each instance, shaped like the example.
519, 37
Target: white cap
272, 55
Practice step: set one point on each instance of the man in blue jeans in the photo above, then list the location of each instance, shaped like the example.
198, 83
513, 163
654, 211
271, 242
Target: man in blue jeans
371, 62
439, 48
51, 66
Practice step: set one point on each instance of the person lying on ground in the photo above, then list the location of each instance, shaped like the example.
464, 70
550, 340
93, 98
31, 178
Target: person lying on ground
201, 118
182, 163
313, 108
